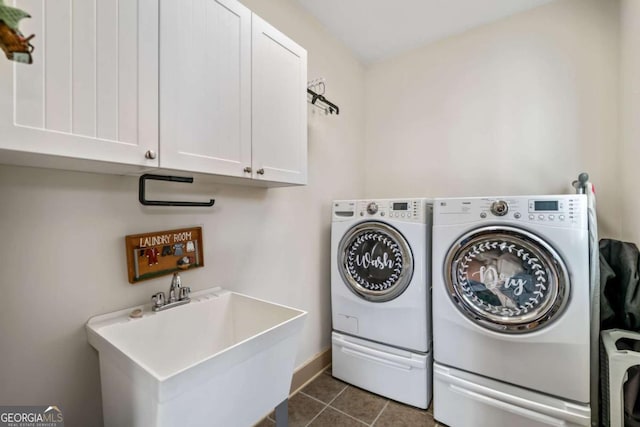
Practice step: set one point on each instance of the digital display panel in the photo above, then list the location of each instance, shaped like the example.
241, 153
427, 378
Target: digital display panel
546, 205
400, 206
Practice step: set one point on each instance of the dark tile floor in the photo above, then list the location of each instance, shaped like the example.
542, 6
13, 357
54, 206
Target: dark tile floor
327, 401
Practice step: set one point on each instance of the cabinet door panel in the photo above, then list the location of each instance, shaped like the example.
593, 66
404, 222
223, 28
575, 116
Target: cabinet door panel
29, 82
107, 72
279, 111
127, 71
205, 79
57, 76
82, 96
148, 72
84, 69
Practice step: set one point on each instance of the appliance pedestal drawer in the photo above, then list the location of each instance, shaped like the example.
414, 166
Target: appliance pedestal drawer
388, 371
463, 399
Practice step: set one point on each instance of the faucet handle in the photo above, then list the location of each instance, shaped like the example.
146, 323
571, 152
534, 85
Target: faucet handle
176, 282
158, 299
184, 292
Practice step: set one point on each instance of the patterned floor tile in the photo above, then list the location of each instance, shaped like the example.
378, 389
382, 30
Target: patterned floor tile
301, 410
331, 417
359, 404
324, 388
399, 415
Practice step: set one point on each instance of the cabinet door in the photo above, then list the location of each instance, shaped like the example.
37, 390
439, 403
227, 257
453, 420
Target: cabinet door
279, 111
205, 86
91, 92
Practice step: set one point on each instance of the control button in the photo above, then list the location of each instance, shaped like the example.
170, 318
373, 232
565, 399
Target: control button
532, 217
372, 208
381, 213
361, 213
552, 217
541, 217
483, 214
517, 215
402, 215
561, 217
499, 208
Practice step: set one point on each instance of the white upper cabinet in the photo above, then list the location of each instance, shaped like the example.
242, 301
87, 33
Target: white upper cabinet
205, 86
199, 86
279, 111
92, 90
232, 93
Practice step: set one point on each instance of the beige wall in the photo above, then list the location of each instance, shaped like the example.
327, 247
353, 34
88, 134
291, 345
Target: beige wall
63, 241
520, 106
630, 118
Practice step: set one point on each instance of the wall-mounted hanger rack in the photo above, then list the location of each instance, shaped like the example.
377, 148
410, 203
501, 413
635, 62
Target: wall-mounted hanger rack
316, 89
322, 102
144, 201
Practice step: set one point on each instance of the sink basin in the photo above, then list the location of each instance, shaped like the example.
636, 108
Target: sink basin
224, 359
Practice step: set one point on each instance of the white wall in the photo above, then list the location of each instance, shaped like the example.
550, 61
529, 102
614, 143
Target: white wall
63, 241
520, 106
630, 118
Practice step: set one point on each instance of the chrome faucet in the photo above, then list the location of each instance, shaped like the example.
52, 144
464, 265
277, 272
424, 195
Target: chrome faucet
174, 288
178, 295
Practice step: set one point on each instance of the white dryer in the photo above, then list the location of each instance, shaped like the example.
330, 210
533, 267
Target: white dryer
380, 296
511, 311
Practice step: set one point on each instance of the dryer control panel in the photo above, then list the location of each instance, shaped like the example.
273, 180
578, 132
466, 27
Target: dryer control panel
408, 210
560, 210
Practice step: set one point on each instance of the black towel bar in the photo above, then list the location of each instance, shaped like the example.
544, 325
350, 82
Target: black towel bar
144, 201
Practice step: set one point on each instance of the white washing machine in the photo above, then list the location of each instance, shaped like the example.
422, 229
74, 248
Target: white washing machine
511, 311
380, 297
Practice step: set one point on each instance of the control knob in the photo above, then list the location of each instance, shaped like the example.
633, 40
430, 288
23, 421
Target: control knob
372, 208
499, 208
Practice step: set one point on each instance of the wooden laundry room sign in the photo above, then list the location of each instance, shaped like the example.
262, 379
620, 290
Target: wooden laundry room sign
156, 254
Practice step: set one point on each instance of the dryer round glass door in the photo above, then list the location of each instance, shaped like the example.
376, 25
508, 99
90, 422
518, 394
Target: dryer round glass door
375, 261
506, 279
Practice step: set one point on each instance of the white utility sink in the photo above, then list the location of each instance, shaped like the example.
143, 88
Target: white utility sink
224, 359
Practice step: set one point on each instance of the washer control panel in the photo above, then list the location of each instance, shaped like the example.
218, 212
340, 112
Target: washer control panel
554, 210
409, 210
562, 210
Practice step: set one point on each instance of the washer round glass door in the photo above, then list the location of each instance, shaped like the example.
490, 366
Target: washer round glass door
375, 261
506, 279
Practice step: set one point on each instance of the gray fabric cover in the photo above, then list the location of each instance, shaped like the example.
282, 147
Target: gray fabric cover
619, 281
620, 308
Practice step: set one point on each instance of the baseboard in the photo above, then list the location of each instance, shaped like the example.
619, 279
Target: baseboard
310, 370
